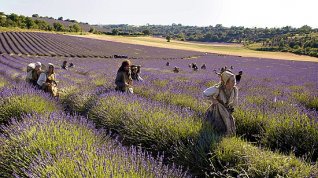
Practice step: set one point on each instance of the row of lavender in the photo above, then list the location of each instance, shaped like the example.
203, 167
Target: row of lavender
46, 142
46, 44
164, 128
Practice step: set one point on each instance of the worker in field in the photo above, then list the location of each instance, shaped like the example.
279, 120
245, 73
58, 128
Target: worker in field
71, 65
224, 97
64, 65
135, 73
176, 69
123, 79
194, 66
238, 77
33, 72
47, 81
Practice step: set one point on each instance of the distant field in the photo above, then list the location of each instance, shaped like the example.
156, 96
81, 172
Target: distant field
202, 47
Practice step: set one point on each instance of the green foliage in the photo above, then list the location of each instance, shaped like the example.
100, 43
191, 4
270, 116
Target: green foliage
249, 124
43, 25
115, 31
241, 158
58, 27
17, 106
3, 82
78, 102
75, 28
30, 24
3, 20
307, 100
293, 133
92, 30
304, 44
146, 32
168, 38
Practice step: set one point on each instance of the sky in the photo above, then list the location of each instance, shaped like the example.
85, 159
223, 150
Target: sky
247, 13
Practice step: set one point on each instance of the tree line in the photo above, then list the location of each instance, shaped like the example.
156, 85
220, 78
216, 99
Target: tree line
303, 40
23, 22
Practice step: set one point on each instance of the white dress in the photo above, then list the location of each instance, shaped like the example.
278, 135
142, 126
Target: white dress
220, 114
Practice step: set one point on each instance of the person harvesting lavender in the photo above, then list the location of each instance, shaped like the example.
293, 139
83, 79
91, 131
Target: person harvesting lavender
123, 79
224, 96
33, 72
47, 81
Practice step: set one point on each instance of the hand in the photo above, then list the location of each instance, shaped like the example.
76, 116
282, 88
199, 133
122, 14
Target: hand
214, 101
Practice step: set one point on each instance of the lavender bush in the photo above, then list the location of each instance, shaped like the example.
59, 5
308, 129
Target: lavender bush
23, 99
240, 159
63, 146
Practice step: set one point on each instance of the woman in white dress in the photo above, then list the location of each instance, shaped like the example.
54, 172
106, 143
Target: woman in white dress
224, 97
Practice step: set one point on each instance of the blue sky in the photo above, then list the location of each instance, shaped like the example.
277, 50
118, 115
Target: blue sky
248, 13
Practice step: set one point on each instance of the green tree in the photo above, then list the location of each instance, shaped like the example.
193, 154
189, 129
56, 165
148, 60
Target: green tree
60, 18
3, 20
115, 31
168, 38
75, 28
21, 21
181, 36
146, 32
92, 30
43, 25
305, 29
29, 22
58, 26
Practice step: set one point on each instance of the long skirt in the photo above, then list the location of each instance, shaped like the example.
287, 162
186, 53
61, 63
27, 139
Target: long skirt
221, 120
51, 88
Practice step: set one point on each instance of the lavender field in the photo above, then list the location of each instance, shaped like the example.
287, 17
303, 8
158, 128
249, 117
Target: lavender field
93, 131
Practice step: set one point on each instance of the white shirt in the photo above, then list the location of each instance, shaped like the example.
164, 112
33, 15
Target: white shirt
214, 92
42, 79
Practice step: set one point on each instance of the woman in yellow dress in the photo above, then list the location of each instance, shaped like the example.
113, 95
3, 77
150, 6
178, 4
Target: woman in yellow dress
47, 81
